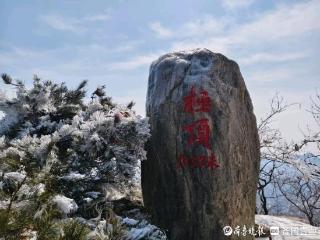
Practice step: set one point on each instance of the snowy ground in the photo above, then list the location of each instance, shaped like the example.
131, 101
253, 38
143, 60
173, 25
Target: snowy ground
289, 228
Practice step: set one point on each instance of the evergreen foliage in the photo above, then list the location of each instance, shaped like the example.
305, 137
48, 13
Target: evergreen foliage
63, 160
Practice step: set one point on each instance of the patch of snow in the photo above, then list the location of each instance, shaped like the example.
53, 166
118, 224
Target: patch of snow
87, 200
94, 173
142, 233
4, 204
144, 230
8, 119
100, 232
64, 204
2, 141
93, 195
40, 188
15, 176
39, 212
42, 149
129, 222
44, 102
112, 193
73, 176
12, 151
289, 228
29, 234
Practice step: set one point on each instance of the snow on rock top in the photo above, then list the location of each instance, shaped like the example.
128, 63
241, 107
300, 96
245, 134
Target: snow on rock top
192, 67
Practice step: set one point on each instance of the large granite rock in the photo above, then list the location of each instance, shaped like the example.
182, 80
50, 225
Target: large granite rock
203, 157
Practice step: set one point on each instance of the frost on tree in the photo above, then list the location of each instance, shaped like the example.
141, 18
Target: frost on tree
203, 155
62, 158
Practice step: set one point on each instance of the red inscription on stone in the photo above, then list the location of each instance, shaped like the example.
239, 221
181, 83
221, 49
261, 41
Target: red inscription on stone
194, 103
212, 162
199, 132
197, 161
203, 102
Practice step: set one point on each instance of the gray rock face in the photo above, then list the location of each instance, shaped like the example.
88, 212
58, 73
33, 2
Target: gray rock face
203, 157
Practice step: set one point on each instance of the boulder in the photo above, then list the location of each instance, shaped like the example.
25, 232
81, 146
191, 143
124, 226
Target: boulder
203, 156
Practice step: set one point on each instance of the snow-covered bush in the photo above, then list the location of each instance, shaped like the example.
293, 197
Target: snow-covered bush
62, 156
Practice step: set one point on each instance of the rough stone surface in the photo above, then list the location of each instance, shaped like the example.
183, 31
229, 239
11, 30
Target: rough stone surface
197, 202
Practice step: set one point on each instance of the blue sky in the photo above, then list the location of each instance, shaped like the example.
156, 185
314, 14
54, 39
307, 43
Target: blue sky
276, 44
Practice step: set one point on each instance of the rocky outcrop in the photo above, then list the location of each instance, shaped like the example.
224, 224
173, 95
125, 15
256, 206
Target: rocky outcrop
203, 157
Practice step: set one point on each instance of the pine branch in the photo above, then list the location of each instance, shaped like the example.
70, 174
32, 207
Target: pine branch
131, 104
7, 79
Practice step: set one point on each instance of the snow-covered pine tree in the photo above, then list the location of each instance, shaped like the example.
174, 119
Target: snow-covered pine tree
62, 157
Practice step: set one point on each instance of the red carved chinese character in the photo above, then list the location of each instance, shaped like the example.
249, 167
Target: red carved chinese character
202, 161
199, 132
192, 136
203, 132
193, 161
203, 102
194, 103
197, 161
212, 162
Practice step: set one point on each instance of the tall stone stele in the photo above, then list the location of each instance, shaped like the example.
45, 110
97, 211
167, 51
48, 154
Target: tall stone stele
202, 161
